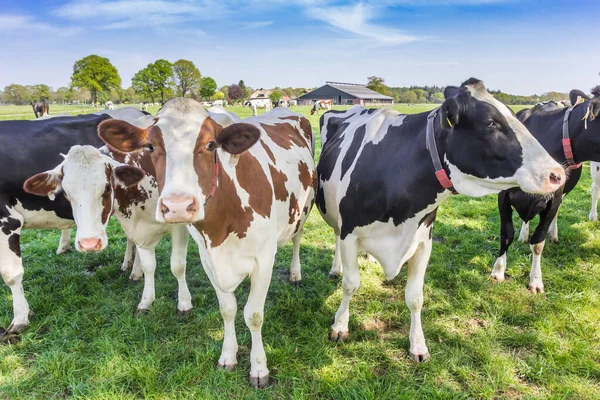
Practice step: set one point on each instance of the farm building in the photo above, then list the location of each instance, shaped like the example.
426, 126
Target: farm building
345, 93
260, 94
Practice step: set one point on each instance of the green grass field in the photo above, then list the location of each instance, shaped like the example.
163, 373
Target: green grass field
487, 340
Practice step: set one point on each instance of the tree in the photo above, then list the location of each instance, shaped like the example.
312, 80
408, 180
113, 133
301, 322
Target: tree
153, 80
16, 94
225, 90
377, 84
95, 74
218, 95
209, 86
186, 77
60, 96
235, 92
40, 92
275, 96
437, 97
408, 96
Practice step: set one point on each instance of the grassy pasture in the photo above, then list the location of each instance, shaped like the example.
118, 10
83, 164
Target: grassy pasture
487, 340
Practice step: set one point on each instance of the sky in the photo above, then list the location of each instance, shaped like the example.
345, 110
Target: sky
517, 46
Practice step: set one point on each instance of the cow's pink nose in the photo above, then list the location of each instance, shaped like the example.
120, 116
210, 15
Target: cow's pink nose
178, 209
90, 244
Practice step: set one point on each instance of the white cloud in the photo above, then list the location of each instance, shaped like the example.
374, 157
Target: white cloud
258, 24
125, 14
356, 19
25, 25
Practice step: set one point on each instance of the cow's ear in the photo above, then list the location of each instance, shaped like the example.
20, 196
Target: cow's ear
126, 175
47, 183
449, 113
450, 91
122, 135
237, 138
574, 94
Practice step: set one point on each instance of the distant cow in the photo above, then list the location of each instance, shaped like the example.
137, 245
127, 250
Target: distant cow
282, 103
109, 105
40, 108
243, 190
382, 176
321, 105
258, 103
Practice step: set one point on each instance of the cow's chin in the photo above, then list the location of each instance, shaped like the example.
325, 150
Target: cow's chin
196, 217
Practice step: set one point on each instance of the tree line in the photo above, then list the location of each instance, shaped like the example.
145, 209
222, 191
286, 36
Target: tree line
435, 94
96, 80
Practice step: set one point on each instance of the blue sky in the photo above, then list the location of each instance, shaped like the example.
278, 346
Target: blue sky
518, 46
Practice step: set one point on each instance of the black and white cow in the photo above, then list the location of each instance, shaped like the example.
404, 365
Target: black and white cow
547, 127
28, 148
379, 192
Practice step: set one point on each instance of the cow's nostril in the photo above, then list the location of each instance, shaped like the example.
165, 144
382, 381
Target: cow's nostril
163, 209
554, 178
192, 207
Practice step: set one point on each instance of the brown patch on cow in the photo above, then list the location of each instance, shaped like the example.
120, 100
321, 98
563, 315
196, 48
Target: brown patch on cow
107, 195
284, 135
156, 165
225, 213
279, 179
253, 180
128, 197
122, 135
204, 159
268, 150
294, 209
315, 180
306, 128
306, 178
41, 184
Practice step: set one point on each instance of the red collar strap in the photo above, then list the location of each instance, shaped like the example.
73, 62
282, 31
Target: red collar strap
213, 188
440, 172
566, 140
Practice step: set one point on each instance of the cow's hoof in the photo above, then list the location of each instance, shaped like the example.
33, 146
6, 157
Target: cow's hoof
135, 277
420, 358
15, 328
259, 382
498, 277
593, 217
9, 338
227, 367
63, 250
536, 288
295, 282
335, 336
141, 311
183, 313
335, 275
554, 239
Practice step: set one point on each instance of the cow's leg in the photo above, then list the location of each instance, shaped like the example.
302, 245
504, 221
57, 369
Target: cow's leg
507, 234
295, 272
417, 265
11, 268
64, 244
254, 316
129, 257
595, 197
148, 263
179, 241
553, 230
336, 268
524, 234
350, 283
536, 285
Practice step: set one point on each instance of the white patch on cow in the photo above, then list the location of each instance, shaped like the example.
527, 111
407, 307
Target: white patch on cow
537, 165
595, 173
42, 219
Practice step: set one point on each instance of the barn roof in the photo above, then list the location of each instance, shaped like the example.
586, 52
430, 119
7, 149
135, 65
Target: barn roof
358, 91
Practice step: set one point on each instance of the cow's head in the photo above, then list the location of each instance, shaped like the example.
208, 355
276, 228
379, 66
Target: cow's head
488, 149
88, 180
183, 142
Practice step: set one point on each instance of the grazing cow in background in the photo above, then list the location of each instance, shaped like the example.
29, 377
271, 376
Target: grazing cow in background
550, 105
40, 144
40, 109
109, 105
258, 103
382, 176
99, 182
321, 105
144, 106
571, 136
240, 199
282, 103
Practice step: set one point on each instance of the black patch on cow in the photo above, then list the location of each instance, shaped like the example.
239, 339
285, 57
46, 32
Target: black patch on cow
14, 244
10, 225
371, 110
357, 140
320, 200
334, 139
428, 219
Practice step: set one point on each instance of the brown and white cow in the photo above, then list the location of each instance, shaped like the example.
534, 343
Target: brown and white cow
321, 105
100, 182
243, 188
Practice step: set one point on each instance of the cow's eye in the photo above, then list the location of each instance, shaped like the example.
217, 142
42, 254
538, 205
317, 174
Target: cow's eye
107, 188
211, 145
492, 124
150, 148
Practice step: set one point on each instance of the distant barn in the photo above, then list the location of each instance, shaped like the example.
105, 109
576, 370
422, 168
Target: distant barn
344, 94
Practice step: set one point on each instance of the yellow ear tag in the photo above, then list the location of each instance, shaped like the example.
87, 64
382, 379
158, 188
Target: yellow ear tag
449, 123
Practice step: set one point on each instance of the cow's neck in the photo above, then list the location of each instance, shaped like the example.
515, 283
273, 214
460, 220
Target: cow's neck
584, 133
